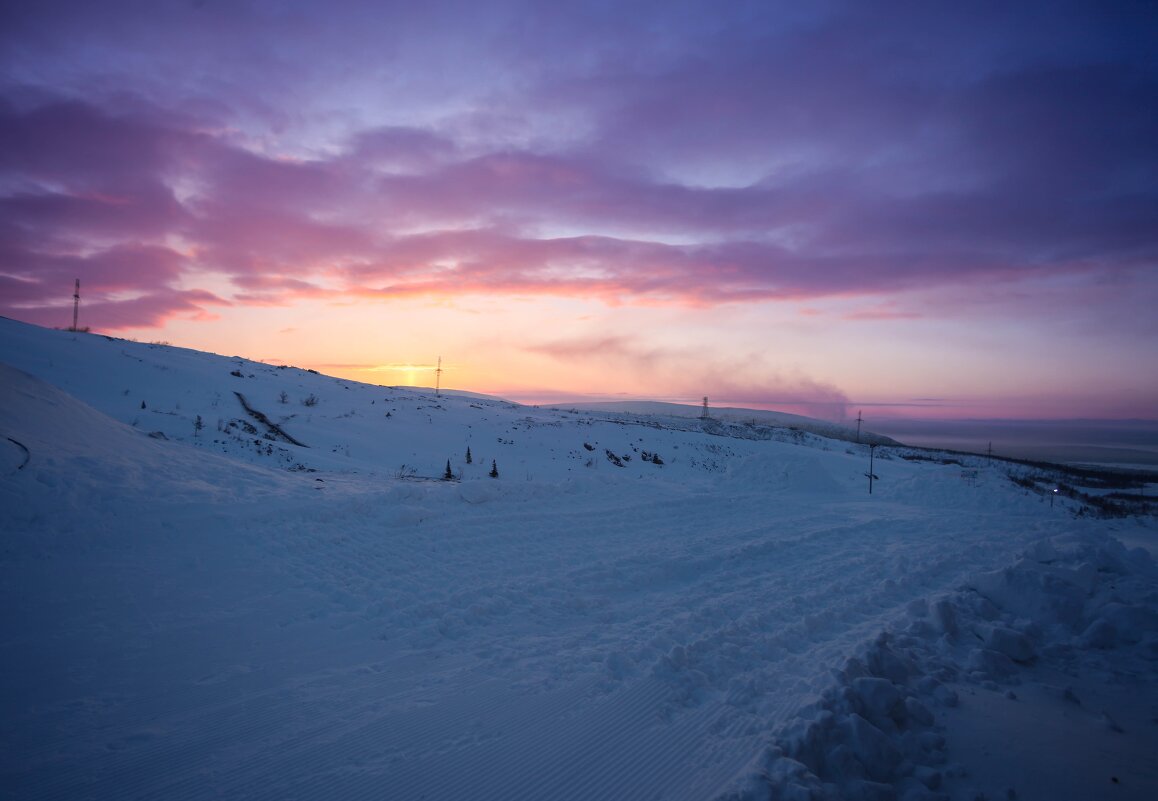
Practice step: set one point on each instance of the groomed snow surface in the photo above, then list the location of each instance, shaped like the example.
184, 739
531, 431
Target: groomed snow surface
219, 613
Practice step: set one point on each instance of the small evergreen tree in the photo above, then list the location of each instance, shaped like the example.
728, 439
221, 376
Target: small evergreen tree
468, 457
448, 475
494, 469
198, 424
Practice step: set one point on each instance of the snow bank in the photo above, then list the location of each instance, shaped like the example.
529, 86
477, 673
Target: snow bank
1060, 610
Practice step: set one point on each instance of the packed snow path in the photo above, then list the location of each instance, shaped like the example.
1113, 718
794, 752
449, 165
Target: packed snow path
411, 640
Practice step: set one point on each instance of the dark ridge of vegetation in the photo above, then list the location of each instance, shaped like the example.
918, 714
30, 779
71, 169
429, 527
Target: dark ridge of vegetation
273, 427
1092, 477
1130, 497
1099, 478
1061, 480
917, 457
1026, 482
1118, 504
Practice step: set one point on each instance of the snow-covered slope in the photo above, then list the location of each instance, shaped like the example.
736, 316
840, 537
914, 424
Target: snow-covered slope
222, 613
346, 427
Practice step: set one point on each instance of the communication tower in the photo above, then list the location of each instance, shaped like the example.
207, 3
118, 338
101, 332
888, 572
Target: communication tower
75, 304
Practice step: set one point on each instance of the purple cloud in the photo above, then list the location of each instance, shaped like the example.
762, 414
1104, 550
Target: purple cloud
666, 153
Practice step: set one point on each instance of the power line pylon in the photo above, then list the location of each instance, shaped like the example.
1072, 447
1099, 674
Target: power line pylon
75, 304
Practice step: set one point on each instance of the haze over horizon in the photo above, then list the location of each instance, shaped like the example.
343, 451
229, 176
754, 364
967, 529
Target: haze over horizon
923, 210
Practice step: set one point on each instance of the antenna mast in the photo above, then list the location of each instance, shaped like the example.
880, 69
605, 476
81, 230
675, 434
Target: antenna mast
438, 379
704, 413
859, 420
75, 304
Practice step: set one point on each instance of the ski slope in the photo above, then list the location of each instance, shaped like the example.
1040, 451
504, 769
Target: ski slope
220, 613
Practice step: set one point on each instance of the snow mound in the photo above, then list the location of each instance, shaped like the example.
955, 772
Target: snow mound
69, 448
875, 734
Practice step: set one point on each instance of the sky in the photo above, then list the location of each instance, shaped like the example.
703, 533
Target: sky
914, 209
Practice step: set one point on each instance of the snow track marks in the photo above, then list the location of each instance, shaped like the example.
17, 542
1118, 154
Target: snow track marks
618, 643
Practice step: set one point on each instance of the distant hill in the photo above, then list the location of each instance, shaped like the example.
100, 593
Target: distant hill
731, 414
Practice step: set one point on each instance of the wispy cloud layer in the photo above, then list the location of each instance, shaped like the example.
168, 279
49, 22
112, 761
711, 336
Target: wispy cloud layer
180, 158
686, 372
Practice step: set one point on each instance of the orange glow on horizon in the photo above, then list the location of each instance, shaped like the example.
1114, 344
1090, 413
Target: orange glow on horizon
537, 349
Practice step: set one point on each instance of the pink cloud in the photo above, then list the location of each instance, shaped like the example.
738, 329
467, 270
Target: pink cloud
149, 309
142, 211
249, 240
85, 180
883, 311
123, 267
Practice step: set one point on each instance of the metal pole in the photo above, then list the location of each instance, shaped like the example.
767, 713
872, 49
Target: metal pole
75, 303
